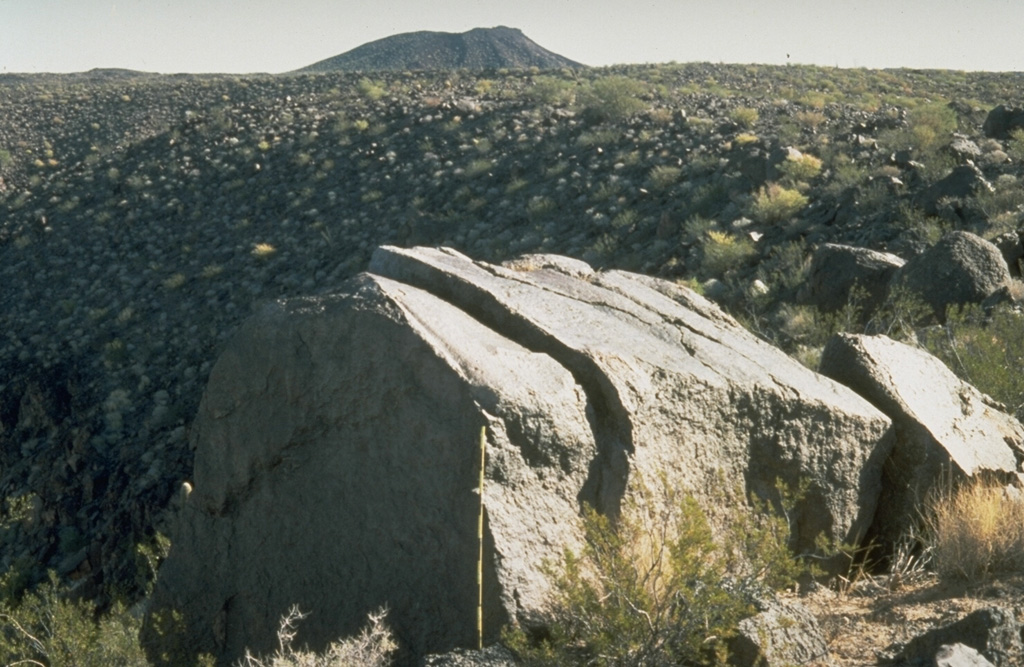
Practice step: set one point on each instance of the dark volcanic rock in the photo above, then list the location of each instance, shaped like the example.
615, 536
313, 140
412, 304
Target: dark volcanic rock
994, 632
963, 181
837, 269
961, 268
1001, 121
480, 48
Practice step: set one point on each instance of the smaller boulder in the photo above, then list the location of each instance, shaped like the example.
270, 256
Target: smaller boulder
961, 268
492, 656
837, 269
1010, 245
782, 633
960, 655
963, 181
962, 148
1001, 121
992, 631
941, 422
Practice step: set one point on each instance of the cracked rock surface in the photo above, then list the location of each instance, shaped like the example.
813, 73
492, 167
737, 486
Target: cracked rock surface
337, 444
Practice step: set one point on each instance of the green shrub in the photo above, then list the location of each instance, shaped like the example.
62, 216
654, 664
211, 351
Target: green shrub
47, 627
663, 177
552, 90
774, 203
985, 350
723, 251
654, 587
745, 117
1014, 147
800, 168
372, 90
612, 98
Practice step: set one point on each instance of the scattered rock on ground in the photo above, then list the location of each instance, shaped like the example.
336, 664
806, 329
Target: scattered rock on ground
993, 631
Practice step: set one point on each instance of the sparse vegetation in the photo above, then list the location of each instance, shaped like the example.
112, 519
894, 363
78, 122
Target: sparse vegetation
774, 203
745, 117
975, 530
653, 587
373, 647
612, 98
185, 194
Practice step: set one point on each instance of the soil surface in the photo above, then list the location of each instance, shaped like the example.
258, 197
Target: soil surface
869, 621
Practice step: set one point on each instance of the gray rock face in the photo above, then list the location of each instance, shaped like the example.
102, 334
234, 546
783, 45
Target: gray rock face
994, 632
961, 268
959, 655
337, 444
783, 633
940, 421
836, 269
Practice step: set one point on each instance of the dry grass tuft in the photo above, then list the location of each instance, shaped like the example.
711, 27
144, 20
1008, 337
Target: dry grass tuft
976, 531
373, 647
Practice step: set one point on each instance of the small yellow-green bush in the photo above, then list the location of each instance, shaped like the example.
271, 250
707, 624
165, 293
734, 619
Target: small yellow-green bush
745, 117
612, 98
801, 168
663, 177
552, 90
774, 203
723, 251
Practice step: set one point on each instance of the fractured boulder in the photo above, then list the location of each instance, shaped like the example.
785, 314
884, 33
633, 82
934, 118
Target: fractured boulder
337, 457
943, 425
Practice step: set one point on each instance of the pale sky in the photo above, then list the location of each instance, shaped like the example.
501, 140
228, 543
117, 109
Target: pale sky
243, 36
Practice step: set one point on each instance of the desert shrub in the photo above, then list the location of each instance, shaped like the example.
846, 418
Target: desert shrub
552, 90
800, 168
931, 125
745, 138
745, 117
663, 177
612, 98
372, 647
810, 119
723, 251
369, 89
1014, 147
47, 627
975, 530
986, 350
654, 588
774, 203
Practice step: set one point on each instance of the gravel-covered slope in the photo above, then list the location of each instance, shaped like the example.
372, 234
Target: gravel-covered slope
141, 228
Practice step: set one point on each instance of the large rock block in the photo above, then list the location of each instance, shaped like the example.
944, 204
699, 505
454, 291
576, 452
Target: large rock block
337, 457
943, 425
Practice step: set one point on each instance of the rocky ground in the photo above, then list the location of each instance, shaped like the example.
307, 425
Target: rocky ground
143, 217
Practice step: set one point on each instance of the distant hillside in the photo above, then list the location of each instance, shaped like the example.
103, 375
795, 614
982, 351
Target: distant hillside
480, 48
